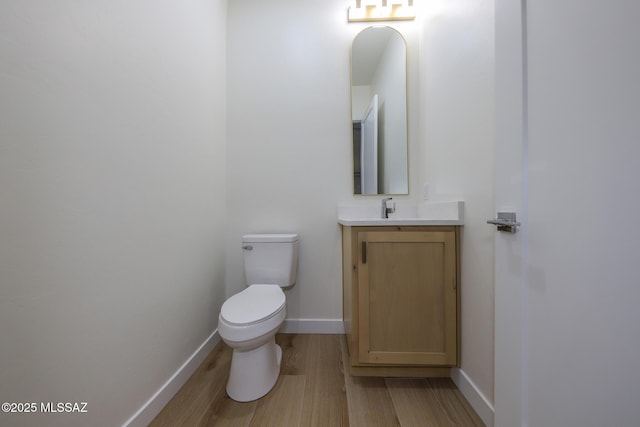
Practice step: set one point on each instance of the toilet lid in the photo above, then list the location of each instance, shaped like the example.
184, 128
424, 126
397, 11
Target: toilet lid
254, 304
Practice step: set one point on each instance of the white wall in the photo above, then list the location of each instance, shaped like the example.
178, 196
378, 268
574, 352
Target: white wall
113, 192
289, 134
360, 98
289, 139
456, 155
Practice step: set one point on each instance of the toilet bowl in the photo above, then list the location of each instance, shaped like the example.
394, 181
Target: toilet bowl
248, 323
249, 320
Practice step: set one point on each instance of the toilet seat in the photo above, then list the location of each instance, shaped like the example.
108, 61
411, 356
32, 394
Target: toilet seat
255, 304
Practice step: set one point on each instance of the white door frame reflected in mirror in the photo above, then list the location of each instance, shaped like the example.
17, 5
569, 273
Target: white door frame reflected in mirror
369, 149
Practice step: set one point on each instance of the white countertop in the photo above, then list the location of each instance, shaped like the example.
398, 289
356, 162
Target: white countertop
427, 213
396, 221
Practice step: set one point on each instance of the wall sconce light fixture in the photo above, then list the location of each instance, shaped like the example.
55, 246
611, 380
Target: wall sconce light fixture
381, 10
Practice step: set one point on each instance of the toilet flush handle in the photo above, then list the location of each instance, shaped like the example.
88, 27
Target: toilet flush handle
247, 247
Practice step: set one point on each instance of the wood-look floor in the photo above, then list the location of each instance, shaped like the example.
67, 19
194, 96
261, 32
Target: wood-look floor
313, 390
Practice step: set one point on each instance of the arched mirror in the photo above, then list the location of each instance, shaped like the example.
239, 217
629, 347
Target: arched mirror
379, 112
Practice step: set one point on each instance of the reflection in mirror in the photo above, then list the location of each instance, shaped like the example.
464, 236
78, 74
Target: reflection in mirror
379, 112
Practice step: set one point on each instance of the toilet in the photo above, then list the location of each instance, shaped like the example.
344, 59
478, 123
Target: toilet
249, 320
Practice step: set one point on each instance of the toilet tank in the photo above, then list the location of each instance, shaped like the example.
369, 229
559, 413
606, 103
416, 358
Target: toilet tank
270, 259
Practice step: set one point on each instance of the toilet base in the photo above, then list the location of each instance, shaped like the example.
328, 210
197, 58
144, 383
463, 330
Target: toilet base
254, 372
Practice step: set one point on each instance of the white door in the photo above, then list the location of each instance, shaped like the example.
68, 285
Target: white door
568, 161
369, 148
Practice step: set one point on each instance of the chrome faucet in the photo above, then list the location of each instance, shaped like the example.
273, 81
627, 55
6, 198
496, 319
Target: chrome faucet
384, 210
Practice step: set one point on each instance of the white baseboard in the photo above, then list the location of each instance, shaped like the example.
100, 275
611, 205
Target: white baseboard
154, 405
312, 326
474, 396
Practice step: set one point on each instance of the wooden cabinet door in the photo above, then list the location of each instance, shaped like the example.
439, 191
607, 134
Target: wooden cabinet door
407, 297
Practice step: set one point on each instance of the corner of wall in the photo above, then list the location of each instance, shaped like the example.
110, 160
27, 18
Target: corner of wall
474, 396
160, 398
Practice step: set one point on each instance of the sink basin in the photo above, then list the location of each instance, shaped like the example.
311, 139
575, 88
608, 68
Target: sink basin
427, 213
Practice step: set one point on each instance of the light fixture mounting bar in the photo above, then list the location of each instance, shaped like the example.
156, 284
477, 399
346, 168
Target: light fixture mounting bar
381, 10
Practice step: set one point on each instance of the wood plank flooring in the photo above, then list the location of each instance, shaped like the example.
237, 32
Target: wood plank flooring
314, 391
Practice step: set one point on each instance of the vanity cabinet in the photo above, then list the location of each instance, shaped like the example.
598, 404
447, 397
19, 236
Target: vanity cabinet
401, 299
